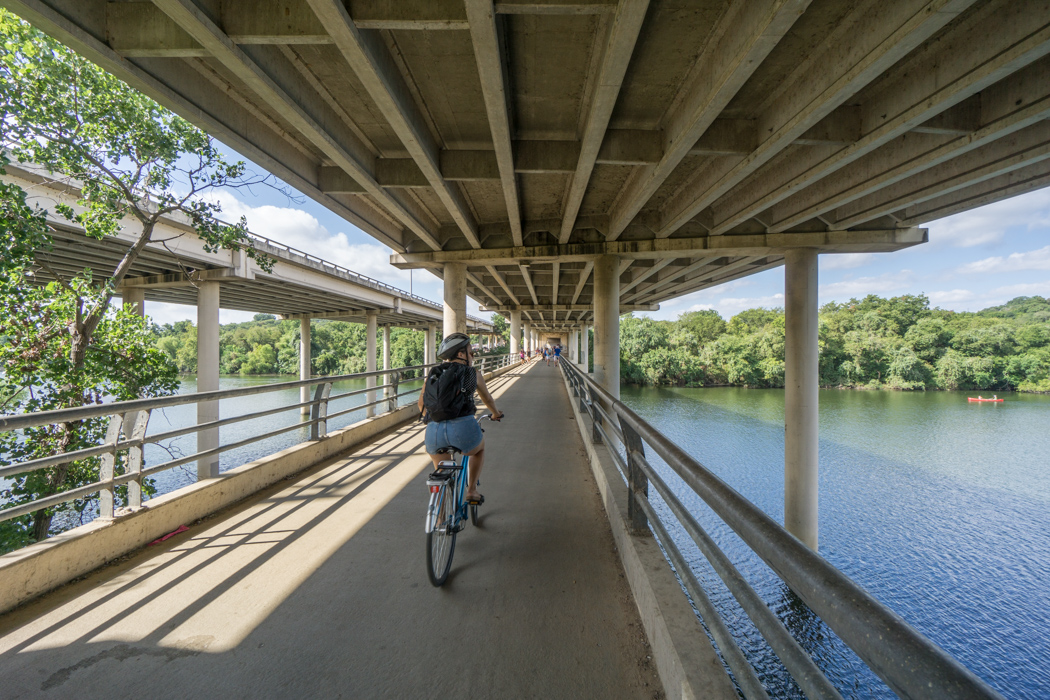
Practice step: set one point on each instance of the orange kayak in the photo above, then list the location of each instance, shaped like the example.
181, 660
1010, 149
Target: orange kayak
980, 400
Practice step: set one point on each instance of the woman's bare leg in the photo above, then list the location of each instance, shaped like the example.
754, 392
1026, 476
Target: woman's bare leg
477, 460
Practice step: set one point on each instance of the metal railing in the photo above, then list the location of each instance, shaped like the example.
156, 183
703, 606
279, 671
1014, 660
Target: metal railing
909, 663
348, 274
128, 421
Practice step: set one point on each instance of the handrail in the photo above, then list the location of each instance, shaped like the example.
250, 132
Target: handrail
130, 419
909, 663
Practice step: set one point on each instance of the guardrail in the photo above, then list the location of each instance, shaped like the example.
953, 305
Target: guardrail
910, 664
347, 273
128, 421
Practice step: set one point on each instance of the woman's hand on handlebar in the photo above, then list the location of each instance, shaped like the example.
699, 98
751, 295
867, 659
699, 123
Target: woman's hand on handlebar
496, 416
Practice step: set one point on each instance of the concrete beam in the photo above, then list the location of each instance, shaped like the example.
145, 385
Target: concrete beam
546, 156
884, 240
484, 35
726, 137
1018, 103
1011, 184
528, 282
584, 276
370, 60
871, 39
673, 286
746, 34
347, 152
554, 7
624, 308
1021, 149
140, 29
432, 15
272, 22
619, 47
182, 279
1000, 38
644, 274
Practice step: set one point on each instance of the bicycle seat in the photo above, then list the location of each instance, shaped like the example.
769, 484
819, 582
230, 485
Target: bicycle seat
451, 449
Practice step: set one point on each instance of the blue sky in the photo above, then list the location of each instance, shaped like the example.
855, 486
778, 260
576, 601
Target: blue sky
973, 260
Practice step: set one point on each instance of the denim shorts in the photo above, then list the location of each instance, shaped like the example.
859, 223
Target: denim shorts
463, 433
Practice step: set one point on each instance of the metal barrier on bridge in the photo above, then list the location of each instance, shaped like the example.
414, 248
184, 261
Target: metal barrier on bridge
910, 664
128, 421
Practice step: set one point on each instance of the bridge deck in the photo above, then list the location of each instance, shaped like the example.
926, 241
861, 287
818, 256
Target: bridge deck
317, 588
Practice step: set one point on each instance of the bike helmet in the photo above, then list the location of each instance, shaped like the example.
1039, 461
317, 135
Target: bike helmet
451, 346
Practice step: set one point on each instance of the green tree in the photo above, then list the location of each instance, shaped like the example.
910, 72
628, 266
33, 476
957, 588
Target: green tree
131, 161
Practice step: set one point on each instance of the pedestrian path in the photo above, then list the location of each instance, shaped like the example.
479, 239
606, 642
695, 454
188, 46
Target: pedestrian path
317, 588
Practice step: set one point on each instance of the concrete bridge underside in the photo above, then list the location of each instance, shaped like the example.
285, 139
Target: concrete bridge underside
317, 587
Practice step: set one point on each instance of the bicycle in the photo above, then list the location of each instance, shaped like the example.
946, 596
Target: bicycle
447, 511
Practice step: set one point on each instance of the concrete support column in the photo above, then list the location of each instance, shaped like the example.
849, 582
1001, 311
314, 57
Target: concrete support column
607, 323
387, 391
428, 345
304, 363
455, 299
585, 348
135, 298
801, 363
371, 318
207, 374
528, 337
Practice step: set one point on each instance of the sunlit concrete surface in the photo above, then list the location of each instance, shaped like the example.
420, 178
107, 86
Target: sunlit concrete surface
318, 588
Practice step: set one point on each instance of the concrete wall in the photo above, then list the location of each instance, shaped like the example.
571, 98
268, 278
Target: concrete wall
685, 659
43, 566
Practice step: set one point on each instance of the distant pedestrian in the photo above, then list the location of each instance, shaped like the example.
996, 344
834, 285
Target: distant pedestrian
557, 354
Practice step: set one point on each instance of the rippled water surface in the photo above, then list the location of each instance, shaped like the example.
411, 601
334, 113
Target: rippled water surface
938, 507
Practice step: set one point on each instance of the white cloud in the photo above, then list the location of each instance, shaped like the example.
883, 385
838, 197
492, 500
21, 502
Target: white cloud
298, 229
1029, 260
990, 223
845, 261
953, 296
1023, 290
862, 286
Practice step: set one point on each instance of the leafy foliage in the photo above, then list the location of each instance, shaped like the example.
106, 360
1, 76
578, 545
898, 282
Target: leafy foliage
129, 162
897, 343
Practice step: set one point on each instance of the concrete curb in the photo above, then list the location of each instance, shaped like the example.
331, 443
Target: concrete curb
44, 566
685, 659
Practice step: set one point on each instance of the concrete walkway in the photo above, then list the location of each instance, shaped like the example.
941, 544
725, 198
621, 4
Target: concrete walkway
317, 588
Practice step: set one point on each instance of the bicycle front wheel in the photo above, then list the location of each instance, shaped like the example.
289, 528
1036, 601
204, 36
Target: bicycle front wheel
441, 541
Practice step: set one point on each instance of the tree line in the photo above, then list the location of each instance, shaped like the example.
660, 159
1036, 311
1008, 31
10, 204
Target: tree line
871, 343
266, 345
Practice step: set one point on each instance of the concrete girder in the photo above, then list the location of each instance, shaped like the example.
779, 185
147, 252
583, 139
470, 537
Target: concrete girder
999, 39
1011, 184
875, 36
708, 272
584, 276
910, 154
619, 46
748, 31
370, 60
670, 276
195, 22
644, 275
556, 270
1016, 151
484, 35
476, 281
884, 240
502, 282
693, 286
528, 282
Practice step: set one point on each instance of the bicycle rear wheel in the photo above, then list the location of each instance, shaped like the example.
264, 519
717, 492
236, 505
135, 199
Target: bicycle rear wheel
441, 541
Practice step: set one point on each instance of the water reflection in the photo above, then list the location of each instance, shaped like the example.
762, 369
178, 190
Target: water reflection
939, 511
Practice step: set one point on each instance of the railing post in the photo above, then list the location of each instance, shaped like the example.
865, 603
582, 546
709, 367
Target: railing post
319, 411
135, 429
596, 418
105, 472
395, 378
637, 482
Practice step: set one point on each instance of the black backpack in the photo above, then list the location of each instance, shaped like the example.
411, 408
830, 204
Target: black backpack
445, 396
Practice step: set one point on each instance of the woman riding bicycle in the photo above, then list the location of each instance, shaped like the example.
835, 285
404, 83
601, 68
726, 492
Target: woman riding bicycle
450, 412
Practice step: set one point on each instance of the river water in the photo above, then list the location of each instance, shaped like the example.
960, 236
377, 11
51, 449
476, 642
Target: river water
183, 416
938, 507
